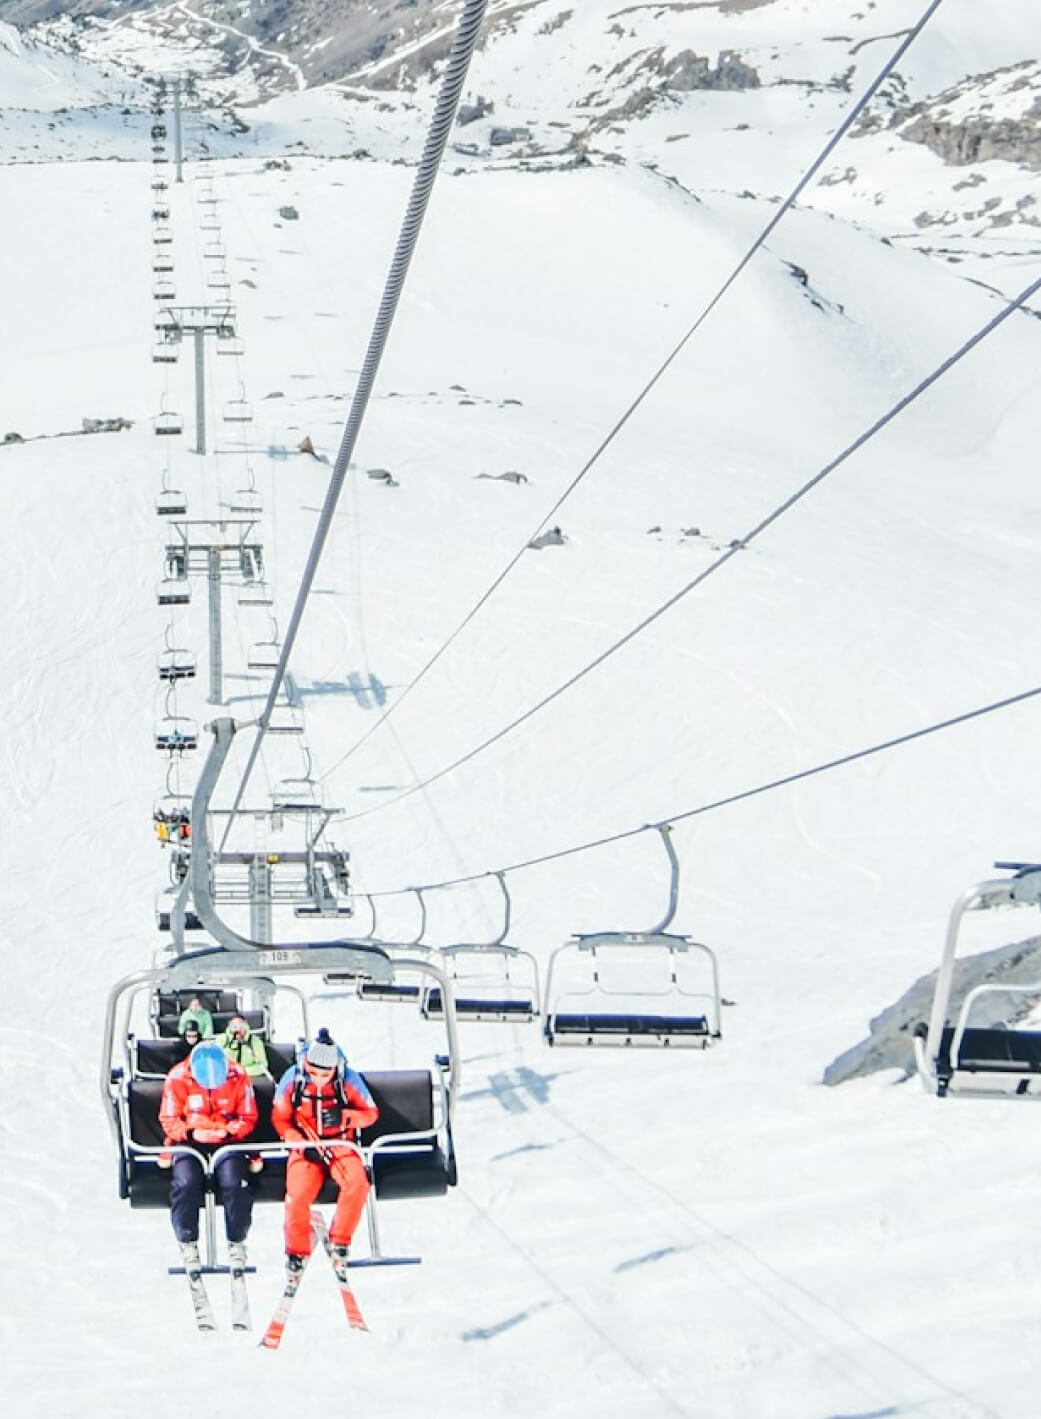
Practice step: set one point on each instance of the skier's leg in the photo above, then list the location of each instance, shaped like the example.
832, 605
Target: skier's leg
304, 1181
232, 1178
186, 1190
349, 1171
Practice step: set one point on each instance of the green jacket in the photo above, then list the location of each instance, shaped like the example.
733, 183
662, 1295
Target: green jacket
202, 1018
247, 1050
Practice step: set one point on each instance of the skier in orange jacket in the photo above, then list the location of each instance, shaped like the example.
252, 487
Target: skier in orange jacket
323, 1101
207, 1103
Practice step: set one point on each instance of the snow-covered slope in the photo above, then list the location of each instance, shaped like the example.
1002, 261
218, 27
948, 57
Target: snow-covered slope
650, 1233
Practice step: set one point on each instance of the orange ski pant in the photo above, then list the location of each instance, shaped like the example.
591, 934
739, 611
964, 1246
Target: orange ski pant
304, 1181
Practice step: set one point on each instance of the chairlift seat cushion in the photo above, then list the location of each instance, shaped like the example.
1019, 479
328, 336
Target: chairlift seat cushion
630, 1029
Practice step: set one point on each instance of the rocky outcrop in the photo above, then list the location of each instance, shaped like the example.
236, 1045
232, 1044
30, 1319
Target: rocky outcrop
978, 140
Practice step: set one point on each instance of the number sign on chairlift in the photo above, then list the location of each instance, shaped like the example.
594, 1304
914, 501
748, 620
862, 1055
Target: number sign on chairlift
992, 1057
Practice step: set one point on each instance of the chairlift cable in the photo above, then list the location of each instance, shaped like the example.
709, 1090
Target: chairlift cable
738, 545
741, 796
636, 403
463, 45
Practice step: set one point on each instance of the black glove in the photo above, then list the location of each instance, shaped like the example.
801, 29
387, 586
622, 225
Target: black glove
332, 1118
313, 1156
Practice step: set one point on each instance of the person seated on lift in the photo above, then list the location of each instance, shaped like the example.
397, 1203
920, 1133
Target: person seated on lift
207, 1104
322, 1102
240, 1044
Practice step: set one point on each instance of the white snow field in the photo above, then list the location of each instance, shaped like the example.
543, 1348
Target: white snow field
637, 1233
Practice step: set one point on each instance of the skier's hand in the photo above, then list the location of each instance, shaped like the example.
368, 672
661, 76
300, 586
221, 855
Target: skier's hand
165, 1160
210, 1135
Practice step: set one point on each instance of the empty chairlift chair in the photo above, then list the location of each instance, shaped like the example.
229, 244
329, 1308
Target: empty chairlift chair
165, 352
634, 988
238, 411
171, 502
168, 423
491, 981
980, 1051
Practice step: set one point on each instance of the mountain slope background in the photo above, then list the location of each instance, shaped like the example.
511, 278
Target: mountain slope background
650, 1233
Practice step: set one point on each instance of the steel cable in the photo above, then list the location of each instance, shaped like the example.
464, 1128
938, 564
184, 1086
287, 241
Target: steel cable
463, 46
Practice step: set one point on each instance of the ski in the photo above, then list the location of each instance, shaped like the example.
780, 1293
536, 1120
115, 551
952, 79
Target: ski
350, 1302
240, 1317
272, 1337
204, 1317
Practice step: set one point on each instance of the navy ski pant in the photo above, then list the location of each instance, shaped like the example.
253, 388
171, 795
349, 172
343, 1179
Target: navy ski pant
187, 1188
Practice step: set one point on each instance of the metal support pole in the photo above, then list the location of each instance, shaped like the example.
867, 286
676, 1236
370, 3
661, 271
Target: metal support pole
178, 156
260, 901
200, 392
216, 695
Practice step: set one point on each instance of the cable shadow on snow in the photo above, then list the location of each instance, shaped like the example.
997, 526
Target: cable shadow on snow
489, 1332
653, 1256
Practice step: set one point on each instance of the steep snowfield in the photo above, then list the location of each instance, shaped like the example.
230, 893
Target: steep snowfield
634, 1234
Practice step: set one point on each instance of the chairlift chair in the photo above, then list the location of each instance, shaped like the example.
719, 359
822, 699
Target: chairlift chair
285, 719
161, 234
231, 345
238, 411
167, 423
164, 291
164, 352
218, 280
409, 1152
162, 262
492, 981
991, 1058
209, 222
632, 989
160, 214
171, 502
158, 130
176, 734
174, 591
264, 655
247, 501
214, 251
159, 184
297, 795
176, 663
255, 593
